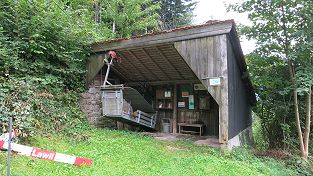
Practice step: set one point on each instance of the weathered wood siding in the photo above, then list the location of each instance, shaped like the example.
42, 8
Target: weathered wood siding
94, 65
207, 57
239, 106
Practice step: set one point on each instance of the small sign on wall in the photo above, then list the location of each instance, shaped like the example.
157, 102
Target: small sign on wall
181, 104
191, 102
199, 87
215, 81
185, 94
167, 94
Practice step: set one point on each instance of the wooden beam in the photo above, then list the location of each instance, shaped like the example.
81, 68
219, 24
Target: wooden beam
166, 37
142, 64
120, 70
119, 74
134, 66
148, 55
168, 62
175, 109
223, 106
168, 82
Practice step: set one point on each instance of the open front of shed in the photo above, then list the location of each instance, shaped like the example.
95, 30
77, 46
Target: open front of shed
195, 78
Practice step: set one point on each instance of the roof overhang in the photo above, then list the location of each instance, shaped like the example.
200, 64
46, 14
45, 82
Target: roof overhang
166, 37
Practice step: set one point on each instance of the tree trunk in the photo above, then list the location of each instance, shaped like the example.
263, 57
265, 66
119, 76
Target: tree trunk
292, 73
113, 27
306, 135
296, 106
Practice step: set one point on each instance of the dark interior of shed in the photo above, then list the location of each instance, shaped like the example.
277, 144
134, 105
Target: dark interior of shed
194, 104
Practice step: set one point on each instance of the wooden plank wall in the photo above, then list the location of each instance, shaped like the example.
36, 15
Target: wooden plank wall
94, 65
239, 105
207, 57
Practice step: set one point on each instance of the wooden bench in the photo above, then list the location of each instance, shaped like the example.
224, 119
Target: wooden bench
182, 125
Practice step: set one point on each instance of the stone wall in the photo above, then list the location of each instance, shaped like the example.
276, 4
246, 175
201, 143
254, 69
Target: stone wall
91, 104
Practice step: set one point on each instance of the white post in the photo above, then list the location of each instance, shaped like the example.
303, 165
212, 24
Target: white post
9, 146
107, 73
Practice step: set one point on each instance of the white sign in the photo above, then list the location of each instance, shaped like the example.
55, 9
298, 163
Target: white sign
215, 81
167, 94
181, 104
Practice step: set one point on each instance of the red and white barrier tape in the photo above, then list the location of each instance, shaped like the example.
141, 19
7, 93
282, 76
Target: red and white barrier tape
5, 136
45, 154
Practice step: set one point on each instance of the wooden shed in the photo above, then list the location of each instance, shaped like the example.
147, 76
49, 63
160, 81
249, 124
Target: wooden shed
190, 75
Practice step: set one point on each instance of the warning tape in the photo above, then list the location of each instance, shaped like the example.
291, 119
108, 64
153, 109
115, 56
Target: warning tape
45, 154
5, 136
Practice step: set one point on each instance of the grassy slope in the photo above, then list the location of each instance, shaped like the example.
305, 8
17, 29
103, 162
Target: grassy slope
124, 153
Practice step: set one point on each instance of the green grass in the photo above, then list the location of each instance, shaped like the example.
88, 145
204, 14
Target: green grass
125, 153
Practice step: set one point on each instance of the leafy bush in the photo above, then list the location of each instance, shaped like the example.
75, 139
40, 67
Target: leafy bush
42, 65
301, 166
45, 44
33, 108
260, 140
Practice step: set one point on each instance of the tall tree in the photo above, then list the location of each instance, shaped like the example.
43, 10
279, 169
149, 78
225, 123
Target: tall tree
125, 18
274, 115
175, 13
283, 29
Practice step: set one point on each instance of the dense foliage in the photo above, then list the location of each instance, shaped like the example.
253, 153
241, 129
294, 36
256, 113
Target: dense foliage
281, 68
42, 59
43, 51
40, 40
273, 110
43, 54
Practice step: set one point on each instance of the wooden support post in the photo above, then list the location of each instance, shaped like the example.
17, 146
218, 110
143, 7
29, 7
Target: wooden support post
223, 105
175, 109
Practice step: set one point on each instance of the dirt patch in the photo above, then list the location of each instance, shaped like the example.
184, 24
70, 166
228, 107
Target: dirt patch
211, 141
166, 138
276, 154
